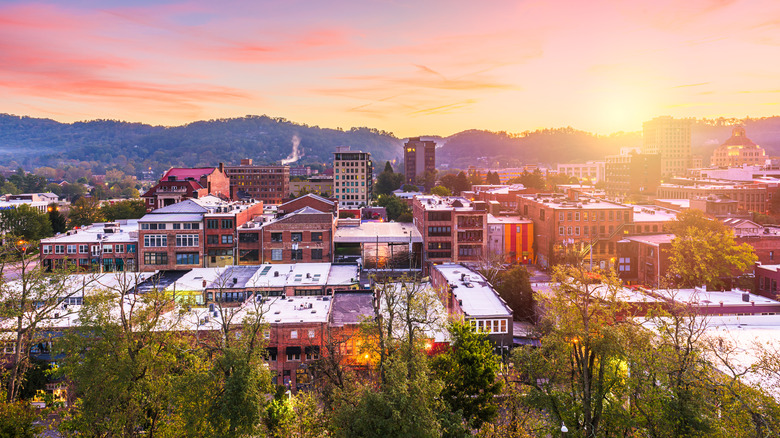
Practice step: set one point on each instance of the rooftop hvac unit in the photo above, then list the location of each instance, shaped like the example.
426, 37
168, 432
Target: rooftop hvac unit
235, 280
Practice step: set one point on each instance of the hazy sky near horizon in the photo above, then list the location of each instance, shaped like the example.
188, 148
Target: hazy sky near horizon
411, 67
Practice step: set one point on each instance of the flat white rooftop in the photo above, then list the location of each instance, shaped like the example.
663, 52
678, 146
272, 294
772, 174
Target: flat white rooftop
478, 299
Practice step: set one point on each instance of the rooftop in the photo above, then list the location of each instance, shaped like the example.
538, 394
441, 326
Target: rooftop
118, 231
653, 213
559, 201
434, 202
652, 239
351, 308
181, 173
381, 232
477, 298
491, 219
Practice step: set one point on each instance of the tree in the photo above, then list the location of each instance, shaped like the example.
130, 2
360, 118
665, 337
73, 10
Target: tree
395, 207
127, 209
85, 211
29, 304
441, 191
387, 181
469, 373
131, 366
25, 222
409, 188
493, 178
704, 252
577, 373
514, 286
462, 183
56, 219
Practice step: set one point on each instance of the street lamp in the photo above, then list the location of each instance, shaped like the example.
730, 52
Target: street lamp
564, 429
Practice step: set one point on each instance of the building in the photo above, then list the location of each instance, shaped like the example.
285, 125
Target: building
319, 185
178, 236
632, 174
767, 278
468, 296
644, 259
453, 229
179, 184
576, 223
302, 236
749, 197
310, 200
419, 157
300, 171
100, 247
511, 237
738, 150
671, 139
353, 177
385, 247
592, 171
269, 184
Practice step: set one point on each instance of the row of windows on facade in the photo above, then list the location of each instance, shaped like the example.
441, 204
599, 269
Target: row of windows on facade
85, 249
108, 264
182, 240
350, 183
174, 226
296, 237
602, 215
575, 231
161, 258
361, 190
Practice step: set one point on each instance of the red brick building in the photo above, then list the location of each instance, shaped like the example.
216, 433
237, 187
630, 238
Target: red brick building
561, 223
179, 184
305, 235
419, 157
644, 259
221, 231
100, 247
270, 184
310, 200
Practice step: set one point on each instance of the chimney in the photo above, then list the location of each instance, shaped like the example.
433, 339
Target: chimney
222, 167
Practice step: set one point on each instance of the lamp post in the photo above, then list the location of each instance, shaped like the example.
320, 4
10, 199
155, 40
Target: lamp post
564, 429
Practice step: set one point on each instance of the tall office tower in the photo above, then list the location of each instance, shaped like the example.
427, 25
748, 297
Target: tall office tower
419, 157
671, 139
352, 177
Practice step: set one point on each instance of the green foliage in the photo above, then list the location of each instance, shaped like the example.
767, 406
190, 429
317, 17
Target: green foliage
409, 188
492, 178
441, 191
127, 209
85, 211
469, 373
514, 286
27, 182
56, 219
17, 420
397, 209
25, 222
456, 183
704, 252
388, 181
404, 406
279, 412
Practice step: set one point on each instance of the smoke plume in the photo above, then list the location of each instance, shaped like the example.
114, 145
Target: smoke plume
297, 153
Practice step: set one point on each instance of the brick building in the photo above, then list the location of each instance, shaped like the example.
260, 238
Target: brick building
103, 247
419, 157
749, 197
310, 200
179, 184
352, 177
644, 259
305, 235
632, 174
174, 237
270, 184
453, 229
578, 223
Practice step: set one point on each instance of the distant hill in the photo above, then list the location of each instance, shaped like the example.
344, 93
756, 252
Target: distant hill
103, 144
33, 142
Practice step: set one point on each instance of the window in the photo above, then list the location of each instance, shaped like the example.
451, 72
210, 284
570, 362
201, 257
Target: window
561, 231
177, 226
276, 255
541, 214
311, 334
47, 249
577, 216
187, 240
59, 249
560, 216
227, 239
212, 224
266, 334
312, 352
227, 223
212, 239
296, 254
316, 254
294, 356
568, 216
439, 231
293, 334
83, 249
72, 249
108, 249
156, 258
489, 325
276, 237
131, 248
771, 256
576, 231
248, 237
187, 258
316, 237
296, 237
155, 240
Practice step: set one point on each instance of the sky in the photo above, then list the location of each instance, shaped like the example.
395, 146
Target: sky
409, 67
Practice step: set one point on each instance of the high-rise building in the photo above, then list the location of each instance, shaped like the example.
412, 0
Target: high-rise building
352, 177
670, 138
419, 157
270, 184
738, 150
632, 174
